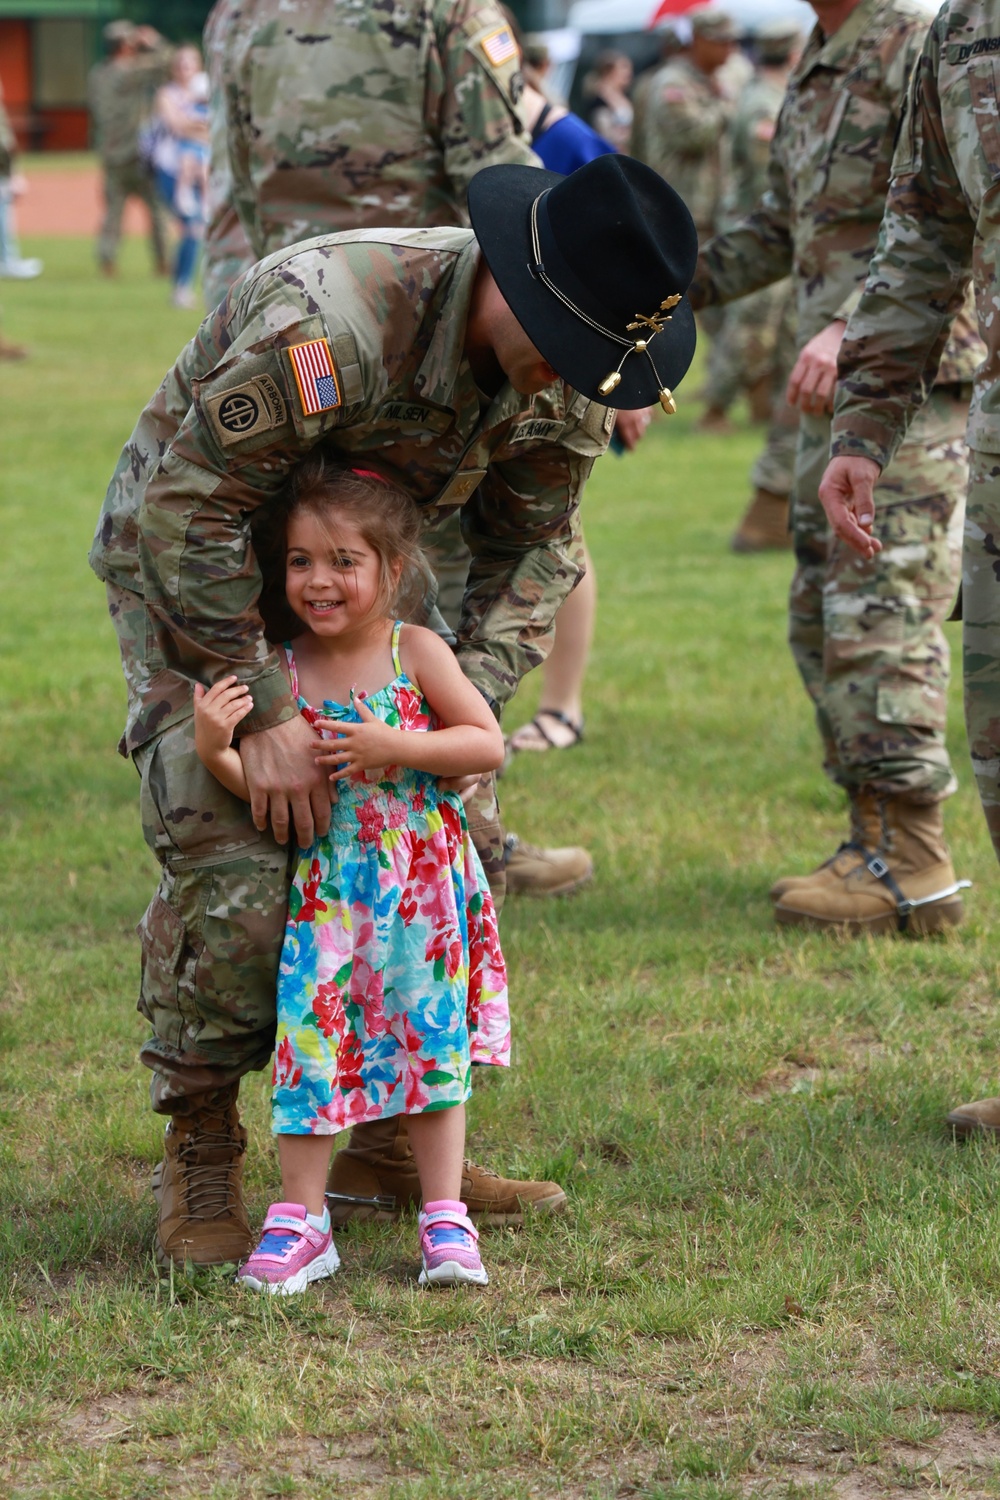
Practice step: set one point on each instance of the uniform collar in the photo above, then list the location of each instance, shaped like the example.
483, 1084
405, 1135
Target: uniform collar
445, 377
836, 52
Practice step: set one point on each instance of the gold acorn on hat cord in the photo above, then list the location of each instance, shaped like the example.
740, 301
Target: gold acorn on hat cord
655, 322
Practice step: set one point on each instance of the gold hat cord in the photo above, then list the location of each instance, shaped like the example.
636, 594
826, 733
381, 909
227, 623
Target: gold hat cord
637, 346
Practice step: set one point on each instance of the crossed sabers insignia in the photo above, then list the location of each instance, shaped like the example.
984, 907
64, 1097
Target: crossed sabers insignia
656, 320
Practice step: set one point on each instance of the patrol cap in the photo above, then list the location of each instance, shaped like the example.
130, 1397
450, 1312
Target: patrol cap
595, 267
714, 25
776, 40
118, 31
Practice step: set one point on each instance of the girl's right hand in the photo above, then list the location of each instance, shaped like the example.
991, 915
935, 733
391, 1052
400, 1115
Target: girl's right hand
217, 711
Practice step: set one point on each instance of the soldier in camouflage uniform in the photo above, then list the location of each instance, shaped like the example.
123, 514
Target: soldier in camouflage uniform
756, 349
120, 94
227, 252
866, 637
941, 222
413, 330
685, 127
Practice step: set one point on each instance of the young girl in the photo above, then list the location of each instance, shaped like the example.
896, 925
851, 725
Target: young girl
392, 981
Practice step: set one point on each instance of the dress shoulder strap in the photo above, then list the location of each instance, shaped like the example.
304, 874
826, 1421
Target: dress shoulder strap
294, 676
396, 663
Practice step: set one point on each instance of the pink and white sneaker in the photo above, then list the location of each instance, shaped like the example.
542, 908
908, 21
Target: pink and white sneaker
448, 1247
290, 1255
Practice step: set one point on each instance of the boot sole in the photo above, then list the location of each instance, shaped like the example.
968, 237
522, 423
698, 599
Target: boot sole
484, 1218
319, 1269
566, 889
450, 1273
966, 1125
924, 921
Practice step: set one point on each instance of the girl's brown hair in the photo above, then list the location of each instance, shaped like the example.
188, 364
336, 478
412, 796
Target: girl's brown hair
384, 514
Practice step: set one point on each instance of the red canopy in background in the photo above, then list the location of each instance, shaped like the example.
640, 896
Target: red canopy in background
668, 8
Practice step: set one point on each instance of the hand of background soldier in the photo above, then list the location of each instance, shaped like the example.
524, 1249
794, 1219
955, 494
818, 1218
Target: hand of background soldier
217, 711
813, 381
847, 491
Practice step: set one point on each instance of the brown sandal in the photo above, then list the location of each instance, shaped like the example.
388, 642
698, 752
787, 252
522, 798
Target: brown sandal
543, 734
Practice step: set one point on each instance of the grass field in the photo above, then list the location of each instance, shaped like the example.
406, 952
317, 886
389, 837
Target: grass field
777, 1275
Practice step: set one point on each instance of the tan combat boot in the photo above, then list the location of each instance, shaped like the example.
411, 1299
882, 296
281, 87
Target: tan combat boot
531, 871
376, 1177
199, 1184
981, 1118
764, 527
862, 842
909, 885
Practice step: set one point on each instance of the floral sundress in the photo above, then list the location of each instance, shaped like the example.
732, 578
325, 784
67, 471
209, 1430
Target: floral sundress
392, 982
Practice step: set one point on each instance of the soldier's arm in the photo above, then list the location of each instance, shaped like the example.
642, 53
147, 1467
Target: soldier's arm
244, 431
523, 530
916, 282
756, 253
473, 86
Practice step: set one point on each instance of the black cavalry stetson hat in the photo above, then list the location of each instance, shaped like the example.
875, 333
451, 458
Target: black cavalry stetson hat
594, 267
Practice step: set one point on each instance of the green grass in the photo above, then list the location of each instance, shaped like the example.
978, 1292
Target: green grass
776, 1276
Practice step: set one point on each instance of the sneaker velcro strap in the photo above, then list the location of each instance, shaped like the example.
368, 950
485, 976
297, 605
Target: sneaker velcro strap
459, 1221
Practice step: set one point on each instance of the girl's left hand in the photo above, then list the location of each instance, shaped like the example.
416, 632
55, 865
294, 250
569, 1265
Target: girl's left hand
368, 746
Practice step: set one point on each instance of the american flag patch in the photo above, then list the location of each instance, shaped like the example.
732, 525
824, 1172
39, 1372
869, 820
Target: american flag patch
499, 47
315, 376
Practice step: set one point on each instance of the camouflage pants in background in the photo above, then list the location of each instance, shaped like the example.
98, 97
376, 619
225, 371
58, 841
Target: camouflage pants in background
981, 632
212, 934
867, 636
756, 335
130, 180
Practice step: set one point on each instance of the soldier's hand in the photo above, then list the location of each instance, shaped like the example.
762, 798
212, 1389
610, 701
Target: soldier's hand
631, 425
465, 786
848, 495
813, 381
286, 785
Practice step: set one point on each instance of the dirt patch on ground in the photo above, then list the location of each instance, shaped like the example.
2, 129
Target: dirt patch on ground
71, 202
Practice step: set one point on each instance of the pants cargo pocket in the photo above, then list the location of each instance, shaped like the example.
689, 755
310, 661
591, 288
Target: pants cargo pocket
161, 933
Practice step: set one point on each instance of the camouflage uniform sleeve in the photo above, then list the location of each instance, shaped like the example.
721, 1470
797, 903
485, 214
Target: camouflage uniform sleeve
472, 92
916, 283
522, 527
756, 253
200, 578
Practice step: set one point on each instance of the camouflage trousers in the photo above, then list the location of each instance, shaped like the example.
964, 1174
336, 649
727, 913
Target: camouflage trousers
866, 635
130, 180
756, 336
981, 632
212, 935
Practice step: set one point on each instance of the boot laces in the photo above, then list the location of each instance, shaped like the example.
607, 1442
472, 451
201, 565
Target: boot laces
208, 1186
472, 1166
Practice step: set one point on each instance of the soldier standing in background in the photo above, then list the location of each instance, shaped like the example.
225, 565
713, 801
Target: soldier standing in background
756, 349
120, 92
227, 252
867, 639
684, 131
941, 219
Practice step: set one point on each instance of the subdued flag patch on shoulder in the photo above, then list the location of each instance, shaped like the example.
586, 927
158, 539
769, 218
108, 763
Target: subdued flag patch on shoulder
315, 376
499, 46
